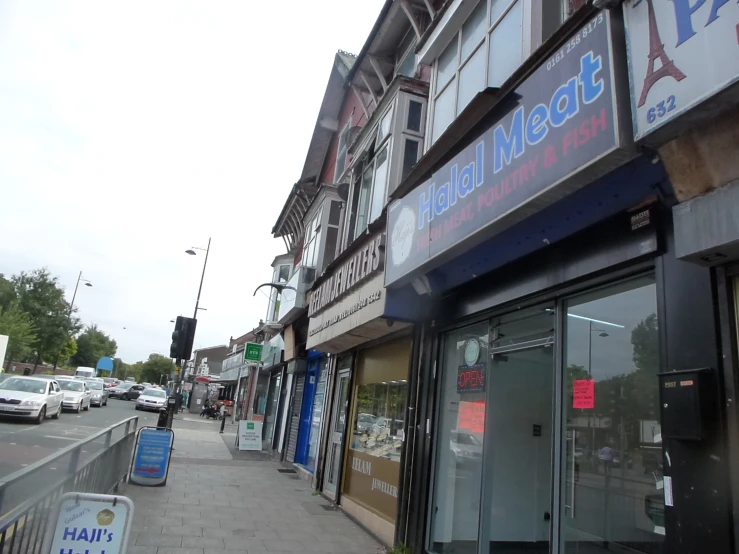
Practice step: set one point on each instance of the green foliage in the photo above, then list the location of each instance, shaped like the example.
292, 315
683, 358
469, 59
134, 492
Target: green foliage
17, 325
40, 296
156, 366
92, 345
69, 350
400, 548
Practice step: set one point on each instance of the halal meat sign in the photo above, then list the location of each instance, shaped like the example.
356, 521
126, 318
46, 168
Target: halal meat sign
470, 378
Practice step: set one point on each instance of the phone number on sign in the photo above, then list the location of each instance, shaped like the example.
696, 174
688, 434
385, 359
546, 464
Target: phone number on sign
575, 41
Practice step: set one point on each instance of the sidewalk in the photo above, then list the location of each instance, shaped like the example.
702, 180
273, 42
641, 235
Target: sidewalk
215, 504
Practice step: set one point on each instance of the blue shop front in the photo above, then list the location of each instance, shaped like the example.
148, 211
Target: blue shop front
565, 340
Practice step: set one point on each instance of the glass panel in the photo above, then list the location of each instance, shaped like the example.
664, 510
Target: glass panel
447, 64
415, 110
364, 201
378, 425
444, 110
384, 128
378, 192
284, 274
471, 79
272, 402
339, 424
474, 29
520, 426
334, 214
332, 234
410, 156
316, 416
505, 47
612, 474
407, 67
458, 468
497, 9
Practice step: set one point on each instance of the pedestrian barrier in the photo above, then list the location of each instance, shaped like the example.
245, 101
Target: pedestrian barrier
27, 497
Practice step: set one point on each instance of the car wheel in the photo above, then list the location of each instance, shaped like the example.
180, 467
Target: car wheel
88, 406
126, 397
138, 407
78, 409
41, 416
58, 413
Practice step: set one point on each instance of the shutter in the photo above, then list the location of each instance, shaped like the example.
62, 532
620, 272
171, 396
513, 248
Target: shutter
297, 404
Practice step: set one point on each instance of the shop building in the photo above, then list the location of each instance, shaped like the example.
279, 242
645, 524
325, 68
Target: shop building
235, 373
569, 388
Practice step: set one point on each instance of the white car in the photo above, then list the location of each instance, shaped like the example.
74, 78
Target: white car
30, 397
152, 399
77, 395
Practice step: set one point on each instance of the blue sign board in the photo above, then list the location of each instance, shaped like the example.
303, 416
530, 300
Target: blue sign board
105, 364
562, 119
151, 458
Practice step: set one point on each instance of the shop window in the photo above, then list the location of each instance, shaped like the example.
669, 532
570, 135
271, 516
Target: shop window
612, 475
455, 512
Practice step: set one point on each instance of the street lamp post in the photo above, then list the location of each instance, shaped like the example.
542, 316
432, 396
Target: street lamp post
71, 309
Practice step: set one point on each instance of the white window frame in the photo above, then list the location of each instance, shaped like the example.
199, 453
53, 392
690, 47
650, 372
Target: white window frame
409, 51
312, 240
344, 134
528, 41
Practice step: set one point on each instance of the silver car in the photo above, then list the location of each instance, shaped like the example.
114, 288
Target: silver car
77, 395
99, 393
31, 398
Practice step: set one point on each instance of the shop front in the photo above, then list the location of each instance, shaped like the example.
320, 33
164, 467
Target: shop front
545, 419
367, 374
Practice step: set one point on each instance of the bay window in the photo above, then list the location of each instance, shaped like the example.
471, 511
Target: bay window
484, 53
312, 241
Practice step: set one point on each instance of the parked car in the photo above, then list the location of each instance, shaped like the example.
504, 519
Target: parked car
30, 397
77, 395
465, 447
152, 399
110, 382
99, 393
4, 376
119, 390
133, 392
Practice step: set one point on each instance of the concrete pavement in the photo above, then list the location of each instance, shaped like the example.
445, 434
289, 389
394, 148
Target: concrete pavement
216, 504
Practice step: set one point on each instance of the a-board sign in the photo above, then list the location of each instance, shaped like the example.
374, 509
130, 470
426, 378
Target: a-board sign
250, 435
151, 457
86, 523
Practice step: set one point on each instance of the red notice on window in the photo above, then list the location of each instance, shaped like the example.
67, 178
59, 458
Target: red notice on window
472, 416
583, 394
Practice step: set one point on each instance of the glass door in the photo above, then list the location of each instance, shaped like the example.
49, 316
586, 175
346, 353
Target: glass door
517, 483
612, 484
336, 434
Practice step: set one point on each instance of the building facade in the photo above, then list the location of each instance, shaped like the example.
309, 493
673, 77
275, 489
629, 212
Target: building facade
571, 387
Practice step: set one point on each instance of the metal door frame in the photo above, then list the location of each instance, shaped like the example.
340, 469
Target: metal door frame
341, 374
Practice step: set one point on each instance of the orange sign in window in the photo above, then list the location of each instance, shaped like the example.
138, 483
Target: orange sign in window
472, 416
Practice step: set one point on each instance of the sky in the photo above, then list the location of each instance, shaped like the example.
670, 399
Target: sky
132, 131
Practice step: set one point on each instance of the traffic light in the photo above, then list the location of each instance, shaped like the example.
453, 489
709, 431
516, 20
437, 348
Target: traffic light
182, 338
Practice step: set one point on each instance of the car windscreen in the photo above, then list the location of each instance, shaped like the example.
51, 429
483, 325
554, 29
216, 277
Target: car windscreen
95, 385
74, 386
24, 385
155, 393
124, 386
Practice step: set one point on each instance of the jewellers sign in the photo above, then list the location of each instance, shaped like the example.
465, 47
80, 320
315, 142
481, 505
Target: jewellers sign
362, 265
566, 119
681, 52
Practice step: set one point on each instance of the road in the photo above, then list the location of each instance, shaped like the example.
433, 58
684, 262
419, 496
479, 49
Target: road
22, 443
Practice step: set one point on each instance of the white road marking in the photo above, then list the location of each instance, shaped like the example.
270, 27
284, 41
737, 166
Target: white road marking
60, 438
12, 444
36, 446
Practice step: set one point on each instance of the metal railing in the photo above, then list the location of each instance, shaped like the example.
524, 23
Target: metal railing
96, 464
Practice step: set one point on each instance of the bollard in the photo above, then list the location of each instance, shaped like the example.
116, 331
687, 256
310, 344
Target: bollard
162, 421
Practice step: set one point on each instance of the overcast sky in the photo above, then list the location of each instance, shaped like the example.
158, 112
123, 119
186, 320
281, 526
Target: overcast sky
131, 131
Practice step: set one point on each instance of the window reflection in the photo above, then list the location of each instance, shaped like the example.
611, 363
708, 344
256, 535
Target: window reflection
613, 471
458, 470
378, 424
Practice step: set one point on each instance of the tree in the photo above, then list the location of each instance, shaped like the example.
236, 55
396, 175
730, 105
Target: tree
41, 297
7, 292
156, 366
92, 345
17, 325
69, 350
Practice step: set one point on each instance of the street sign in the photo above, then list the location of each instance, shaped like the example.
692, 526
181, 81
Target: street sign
151, 457
253, 352
86, 523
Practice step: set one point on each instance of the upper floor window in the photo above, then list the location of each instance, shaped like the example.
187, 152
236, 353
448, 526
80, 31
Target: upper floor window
485, 52
312, 240
405, 63
281, 274
342, 151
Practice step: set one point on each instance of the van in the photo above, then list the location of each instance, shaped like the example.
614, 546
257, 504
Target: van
84, 372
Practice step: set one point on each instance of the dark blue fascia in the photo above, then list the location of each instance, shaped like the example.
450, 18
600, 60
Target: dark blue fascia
620, 190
